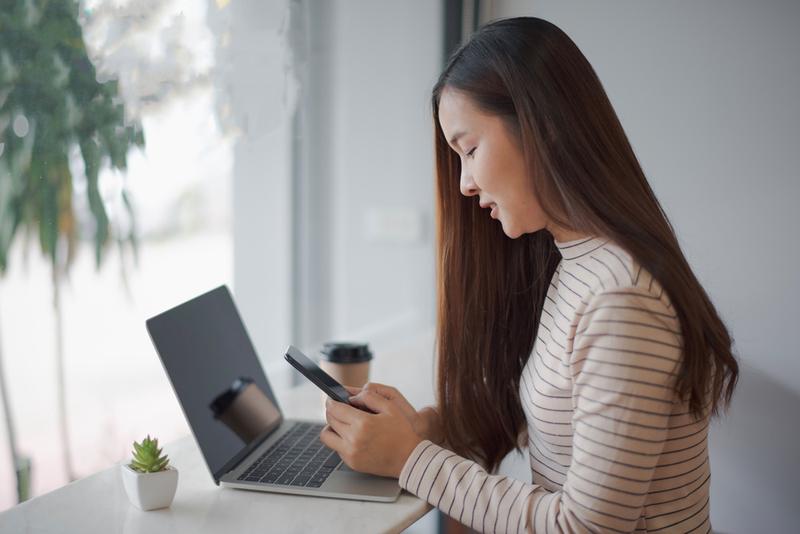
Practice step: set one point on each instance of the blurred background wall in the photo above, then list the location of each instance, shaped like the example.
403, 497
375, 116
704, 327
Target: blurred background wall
348, 210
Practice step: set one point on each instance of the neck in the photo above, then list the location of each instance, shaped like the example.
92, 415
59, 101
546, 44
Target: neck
562, 235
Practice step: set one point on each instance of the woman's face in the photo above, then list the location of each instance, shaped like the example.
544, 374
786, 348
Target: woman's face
492, 164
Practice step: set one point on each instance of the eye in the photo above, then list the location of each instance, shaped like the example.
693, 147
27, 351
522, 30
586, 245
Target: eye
469, 154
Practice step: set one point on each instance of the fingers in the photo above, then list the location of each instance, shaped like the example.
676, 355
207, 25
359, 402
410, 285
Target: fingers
342, 412
332, 439
382, 389
393, 394
353, 390
343, 430
356, 393
376, 402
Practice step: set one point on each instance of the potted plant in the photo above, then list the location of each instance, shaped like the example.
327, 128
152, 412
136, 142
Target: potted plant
149, 480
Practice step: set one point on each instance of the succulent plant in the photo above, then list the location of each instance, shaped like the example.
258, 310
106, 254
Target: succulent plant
147, 456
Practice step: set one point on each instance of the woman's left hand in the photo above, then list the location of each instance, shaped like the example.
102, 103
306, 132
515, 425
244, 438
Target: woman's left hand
376, 443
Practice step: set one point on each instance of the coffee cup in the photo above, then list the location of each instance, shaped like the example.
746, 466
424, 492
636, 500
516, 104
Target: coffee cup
245, 409
347, 362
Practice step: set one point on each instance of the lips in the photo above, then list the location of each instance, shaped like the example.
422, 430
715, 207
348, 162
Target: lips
492, 206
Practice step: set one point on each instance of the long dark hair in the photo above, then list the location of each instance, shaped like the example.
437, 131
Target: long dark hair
491, 289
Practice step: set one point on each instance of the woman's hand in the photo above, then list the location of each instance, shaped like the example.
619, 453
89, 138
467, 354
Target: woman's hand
426, 422
377, 443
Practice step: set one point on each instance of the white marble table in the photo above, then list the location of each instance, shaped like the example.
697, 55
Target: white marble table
98, 503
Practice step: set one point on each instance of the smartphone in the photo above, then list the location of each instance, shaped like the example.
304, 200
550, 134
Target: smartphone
312, 371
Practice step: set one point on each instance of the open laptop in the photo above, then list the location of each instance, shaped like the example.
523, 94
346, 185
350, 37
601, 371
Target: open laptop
234, 415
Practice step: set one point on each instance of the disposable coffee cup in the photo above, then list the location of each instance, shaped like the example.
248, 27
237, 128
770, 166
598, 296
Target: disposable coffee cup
347, 362
245, 409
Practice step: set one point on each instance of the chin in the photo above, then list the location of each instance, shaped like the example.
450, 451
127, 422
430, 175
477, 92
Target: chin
513, 233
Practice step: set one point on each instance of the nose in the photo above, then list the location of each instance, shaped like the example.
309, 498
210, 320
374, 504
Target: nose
467, 184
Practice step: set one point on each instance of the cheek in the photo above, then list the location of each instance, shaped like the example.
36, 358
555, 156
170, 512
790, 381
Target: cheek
515, 198
530, 214
488, 174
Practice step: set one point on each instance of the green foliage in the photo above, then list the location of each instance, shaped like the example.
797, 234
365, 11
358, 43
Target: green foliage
48, 86
147, 456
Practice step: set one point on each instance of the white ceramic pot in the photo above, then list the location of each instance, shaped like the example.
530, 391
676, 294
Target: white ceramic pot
150, 491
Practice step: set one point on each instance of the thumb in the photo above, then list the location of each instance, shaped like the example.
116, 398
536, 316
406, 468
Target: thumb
373, 401
394, 395
354, 399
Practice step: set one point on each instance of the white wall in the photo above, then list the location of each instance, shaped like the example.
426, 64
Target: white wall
708, 95
383, 59
258, 92
333, 235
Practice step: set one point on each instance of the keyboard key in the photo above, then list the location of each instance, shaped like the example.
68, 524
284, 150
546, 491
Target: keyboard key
333, 460
300, 480
285, 479
271, 477
308, 473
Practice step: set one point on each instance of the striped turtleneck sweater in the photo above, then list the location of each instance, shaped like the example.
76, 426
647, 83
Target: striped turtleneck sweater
610, 446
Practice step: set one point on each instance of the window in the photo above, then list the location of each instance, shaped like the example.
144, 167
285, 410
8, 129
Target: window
164, 56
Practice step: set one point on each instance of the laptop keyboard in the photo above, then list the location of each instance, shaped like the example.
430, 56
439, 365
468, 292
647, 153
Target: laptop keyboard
298, 458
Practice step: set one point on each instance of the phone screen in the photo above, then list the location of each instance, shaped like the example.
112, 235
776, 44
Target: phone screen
312, 371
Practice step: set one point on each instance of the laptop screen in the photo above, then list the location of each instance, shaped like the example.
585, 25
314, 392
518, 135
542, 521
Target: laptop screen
217, 377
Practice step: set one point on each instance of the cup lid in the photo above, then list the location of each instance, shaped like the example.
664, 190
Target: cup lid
345, 352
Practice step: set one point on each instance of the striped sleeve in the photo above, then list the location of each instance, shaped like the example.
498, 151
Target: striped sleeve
463, 489
625, 355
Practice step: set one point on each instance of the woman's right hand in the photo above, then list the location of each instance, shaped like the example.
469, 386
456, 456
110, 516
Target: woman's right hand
425, 422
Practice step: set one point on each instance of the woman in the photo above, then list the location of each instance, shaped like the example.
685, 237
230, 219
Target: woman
585, 338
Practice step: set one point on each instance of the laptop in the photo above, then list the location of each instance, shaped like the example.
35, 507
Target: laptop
234, 415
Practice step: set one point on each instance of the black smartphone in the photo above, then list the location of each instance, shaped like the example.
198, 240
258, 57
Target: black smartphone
312, 371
